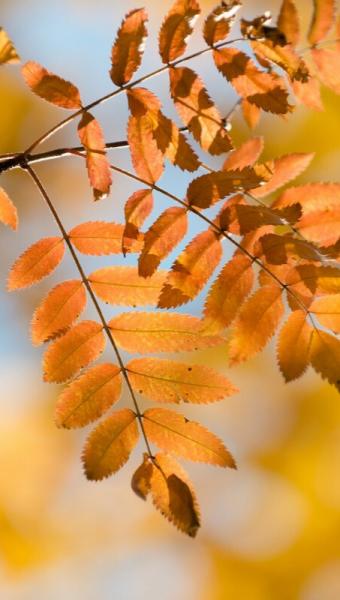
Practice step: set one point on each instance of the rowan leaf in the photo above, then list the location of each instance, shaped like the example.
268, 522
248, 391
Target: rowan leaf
227, 294
256, 323
197, 111
252, 217
311, 196
58, 311
141, 479
327, 65
51, 87
146, 157
325, 356
288, 22
8, 212
160, 332
323, 18
123, 286
308, 93
191, 270
251, 113
321, 226
284, 169
267, 52
317, 280
128, 48
66, 356
162, 237
110, 444
219, 22
327, 310
293, 350
265, 90
98, 168
283, 249
137, 208
245, 155
8, 53
177, 28
164, 380
100, 238
174, 433
37, 262
87, 398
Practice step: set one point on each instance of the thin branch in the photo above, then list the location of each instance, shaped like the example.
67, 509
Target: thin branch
87, 285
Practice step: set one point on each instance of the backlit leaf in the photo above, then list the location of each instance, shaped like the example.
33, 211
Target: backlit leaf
318, 280
256, 323
58, 311
251, 113
110, 444
123, 286
100, 238
176, 29
323, 18
252, 217
197, 111
128, 48
311, 196
8, 212
50, 87
308, 93
146, 157
160, 332
8, 54
137, 209
327, 64
267, 51
325, 356
98, 168
169, 381
293, 350
212, 187
327, 310
245, 155
70, 353
88, 397
141, 479
284, 169
321, 226
219, 22
288, 21
162, 237
174, 433
38, 261
281, 249
191, 270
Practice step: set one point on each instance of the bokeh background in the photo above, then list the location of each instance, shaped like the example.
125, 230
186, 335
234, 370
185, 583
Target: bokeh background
270, 530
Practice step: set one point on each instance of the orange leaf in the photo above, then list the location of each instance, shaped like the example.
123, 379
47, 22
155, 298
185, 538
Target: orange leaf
208, 189
327, 310
169, 381
70, 353
128, 48
251, 113
284, 169
322, 21
141, 479
327, 64
308, 93
265, 90
123, 285
147, 158
219, 22
162, 237
227, 294
256, 323
281, 249
268, 51
38, 261
288, 22
321, 226
325, 356
293, 350
137, 209
88, 397
50, 87
197, 111
176, 29
317, 280
160, 332
99, 238
109, 446
8, 212
252, 217
98, 168
8, 54
174, 433
191, 270
245, 155
311, 196
58, 311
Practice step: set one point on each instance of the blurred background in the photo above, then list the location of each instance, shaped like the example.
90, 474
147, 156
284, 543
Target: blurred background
270, 530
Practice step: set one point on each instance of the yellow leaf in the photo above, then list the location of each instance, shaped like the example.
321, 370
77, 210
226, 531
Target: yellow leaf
37, 262
293, 350
8, 54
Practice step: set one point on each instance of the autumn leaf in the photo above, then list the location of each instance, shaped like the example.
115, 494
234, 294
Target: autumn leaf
162, 237
219, 22
58, 311
160, 332
308, 93
325, 356
66, 356
109, 446
8, 53
163, 380
137, 208
321, 226
98, 238
177, 28
50, 87
282, 249
197, 111
37, 262
288, 22
327, 65
87, 398
98, 168
293, 350
251, 113
8, 212
323, 18
252, 217
267, 51
174, 433
128, 48
256, 323
245, 155
318, 280
311, 196
327, 310
191, 270
123, 286
141, 479
284, 169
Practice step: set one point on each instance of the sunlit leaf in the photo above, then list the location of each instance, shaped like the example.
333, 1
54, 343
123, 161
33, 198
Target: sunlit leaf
98, 168
51, 87
321, 226
212, 187
245, 155
219, 22
284, 169
293, 350
100, 238
137, 209
288, 21
128, 48
311, 196
38, 261
327, 64
327, 310
123, 286
177, 28
325, 356
8, 212
323, 18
